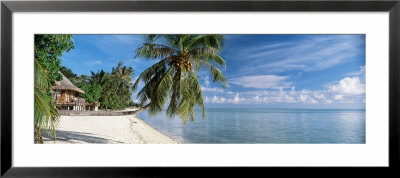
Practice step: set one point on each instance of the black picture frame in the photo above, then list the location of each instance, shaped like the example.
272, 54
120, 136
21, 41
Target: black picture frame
8, 7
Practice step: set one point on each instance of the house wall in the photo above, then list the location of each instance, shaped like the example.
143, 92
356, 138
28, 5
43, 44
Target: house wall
65, 95
61, 98
72, 94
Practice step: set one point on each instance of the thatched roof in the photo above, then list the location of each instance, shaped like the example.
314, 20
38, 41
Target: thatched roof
66, 84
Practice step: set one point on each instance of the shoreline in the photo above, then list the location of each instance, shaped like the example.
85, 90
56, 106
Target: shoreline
126, 129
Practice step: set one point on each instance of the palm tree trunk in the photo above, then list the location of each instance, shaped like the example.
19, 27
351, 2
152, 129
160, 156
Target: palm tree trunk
141, 109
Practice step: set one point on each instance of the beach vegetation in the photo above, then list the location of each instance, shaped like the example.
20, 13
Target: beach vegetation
173, 79
112, 89
47, 52
92, 92
67, 72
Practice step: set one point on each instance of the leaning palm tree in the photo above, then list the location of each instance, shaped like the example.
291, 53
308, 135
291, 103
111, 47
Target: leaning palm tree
173, 78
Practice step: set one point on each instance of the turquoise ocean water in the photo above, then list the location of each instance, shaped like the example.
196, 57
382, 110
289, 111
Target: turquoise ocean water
294, 126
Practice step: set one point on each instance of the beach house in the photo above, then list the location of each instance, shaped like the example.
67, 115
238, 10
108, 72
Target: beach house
67, 95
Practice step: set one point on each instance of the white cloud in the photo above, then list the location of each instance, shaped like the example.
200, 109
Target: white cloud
303, 98
261, 81
206, 99
319, 95
220, 100
285, 96
289, 99
236, 99
348, 90
348, 86
262, 48
206, 89
357, 73
207, 81
306, 55
347, 101
92, 63
229, 92
267, 50
217, 99
256, 99
338, 97
307, 99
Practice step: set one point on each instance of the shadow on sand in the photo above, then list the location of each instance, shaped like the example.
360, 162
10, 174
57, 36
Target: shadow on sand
76, 137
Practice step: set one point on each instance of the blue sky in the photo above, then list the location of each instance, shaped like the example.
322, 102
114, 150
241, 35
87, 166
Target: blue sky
266, 71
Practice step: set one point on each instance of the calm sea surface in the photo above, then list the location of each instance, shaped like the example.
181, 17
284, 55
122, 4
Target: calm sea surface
265, 126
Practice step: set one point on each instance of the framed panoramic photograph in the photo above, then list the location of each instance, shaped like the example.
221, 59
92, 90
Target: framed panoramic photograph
112, 89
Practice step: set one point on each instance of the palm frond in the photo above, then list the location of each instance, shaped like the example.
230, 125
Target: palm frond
160, 92
183, 42
208, 54
198, 93
146, 75
215, 73
154, 51
209, 40
45, 113
151, 83
176, 94
191, 96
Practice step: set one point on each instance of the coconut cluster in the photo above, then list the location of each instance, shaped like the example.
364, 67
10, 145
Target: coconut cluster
184, 63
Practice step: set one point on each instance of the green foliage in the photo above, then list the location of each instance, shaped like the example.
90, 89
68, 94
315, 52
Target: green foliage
173, 78
92, 92
45, 114
119, 86
67, 72
47, 50
113, 101
113, 90
133, 104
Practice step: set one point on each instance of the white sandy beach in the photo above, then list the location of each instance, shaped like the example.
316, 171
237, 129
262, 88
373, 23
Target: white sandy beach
106, 130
